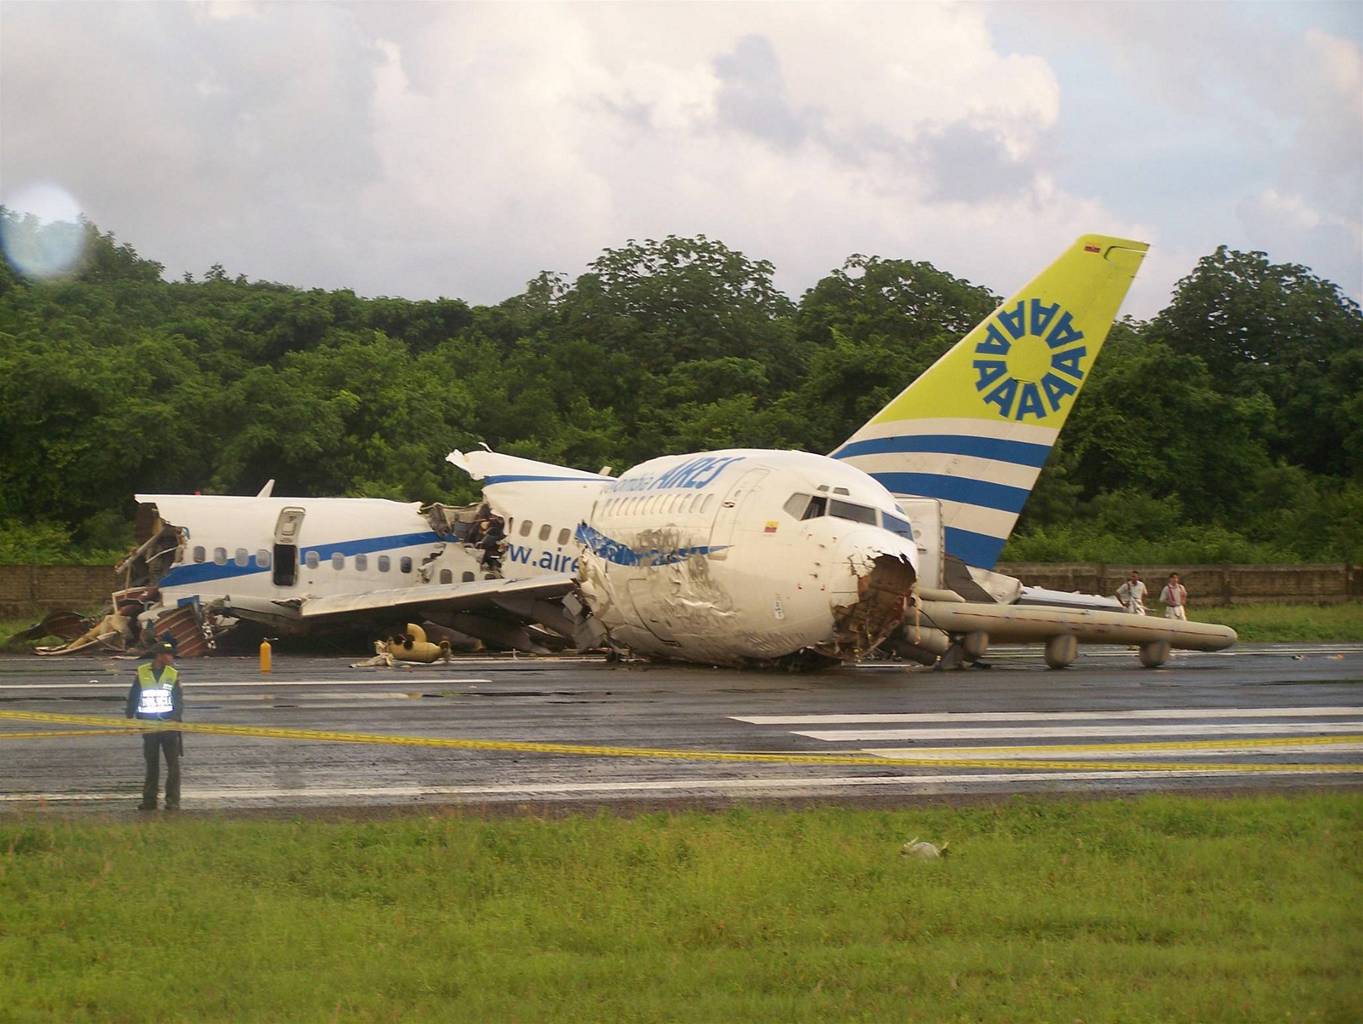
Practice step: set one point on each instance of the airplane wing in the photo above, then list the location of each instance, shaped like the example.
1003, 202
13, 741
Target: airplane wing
500, 611
447, 596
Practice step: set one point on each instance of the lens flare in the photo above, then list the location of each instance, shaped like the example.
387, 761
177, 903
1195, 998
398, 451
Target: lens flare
41, 233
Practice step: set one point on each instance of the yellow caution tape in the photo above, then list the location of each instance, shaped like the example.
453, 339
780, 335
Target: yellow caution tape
573, 750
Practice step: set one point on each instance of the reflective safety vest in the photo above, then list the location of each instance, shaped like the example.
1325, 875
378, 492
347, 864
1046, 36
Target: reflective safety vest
156, 697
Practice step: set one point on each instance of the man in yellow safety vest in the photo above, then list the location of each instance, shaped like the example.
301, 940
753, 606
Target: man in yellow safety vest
156, 696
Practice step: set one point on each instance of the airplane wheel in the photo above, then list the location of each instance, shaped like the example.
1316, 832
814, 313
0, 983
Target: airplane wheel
1061, 651
975, 646
1155, 653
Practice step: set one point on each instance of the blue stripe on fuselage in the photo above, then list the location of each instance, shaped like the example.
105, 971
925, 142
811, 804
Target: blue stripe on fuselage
955, 488
622, 554
207, 572
1019, 453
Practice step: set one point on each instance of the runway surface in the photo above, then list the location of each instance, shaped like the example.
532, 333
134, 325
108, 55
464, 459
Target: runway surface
1255, 717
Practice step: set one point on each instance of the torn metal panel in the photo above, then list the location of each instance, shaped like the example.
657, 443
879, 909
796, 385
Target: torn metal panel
884, 590
112, 633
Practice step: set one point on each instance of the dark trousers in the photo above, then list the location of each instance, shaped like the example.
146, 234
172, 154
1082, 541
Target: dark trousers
153, 743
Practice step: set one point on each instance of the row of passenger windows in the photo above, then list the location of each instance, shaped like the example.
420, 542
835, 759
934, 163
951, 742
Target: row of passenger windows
311, 559
545, 530
662, 504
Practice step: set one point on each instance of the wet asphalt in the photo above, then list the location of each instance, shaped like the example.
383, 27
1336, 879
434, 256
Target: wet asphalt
1255, 717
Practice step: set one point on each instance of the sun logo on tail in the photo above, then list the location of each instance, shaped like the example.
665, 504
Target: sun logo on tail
1028, 365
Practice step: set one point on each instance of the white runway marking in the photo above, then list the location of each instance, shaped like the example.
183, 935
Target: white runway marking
1052, 716
1131, 732
807, 784
212, 684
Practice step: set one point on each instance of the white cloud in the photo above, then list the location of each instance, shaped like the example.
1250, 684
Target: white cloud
458, 149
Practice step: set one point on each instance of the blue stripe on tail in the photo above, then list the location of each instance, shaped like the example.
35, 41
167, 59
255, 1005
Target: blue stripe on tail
977, 549
956, 488
1019, 453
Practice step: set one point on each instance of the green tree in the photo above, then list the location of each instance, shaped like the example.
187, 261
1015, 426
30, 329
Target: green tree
1278, 329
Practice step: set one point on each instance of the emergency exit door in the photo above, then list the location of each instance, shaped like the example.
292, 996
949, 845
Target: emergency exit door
286, 530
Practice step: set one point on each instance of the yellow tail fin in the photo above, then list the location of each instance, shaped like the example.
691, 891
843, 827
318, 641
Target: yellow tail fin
975, 429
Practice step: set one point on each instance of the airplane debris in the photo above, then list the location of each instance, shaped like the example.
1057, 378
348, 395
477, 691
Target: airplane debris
409, 646
924, 850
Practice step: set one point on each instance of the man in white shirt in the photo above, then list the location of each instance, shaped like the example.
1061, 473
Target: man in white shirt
1132, 594
1174, 597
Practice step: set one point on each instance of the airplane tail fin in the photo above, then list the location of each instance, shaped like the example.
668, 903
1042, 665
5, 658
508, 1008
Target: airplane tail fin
974, 430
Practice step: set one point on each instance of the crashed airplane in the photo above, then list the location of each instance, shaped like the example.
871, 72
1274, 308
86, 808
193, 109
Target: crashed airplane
741, 557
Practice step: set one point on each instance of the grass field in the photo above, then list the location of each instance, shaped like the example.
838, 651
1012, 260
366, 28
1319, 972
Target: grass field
1152, 909
1287, 623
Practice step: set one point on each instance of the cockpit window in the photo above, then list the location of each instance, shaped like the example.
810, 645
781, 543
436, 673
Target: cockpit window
847, 510
802, 506
896, 525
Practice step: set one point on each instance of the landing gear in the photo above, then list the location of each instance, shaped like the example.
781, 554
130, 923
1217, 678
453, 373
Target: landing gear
1061, 651
1154, 653
965, 652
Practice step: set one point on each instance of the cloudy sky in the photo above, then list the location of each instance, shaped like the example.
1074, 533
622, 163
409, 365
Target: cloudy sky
425, 149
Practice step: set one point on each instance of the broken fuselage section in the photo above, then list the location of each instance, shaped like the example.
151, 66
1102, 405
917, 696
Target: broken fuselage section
207, 564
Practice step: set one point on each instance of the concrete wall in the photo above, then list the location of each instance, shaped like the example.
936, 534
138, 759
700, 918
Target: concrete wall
25, 589
1207, 584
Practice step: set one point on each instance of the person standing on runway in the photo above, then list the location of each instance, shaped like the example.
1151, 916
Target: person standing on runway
1132, 594
156, 696
1174, 597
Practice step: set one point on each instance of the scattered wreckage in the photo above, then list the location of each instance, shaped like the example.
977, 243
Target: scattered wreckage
368, 566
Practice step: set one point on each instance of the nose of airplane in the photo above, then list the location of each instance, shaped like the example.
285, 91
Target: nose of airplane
875, 575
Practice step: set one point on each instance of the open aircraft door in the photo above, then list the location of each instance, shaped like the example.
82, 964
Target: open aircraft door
286, 530
722, 533
929, 535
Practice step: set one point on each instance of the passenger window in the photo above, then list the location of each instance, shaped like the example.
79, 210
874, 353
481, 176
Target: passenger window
219, 556
405, 565
856, 513
361, 563
385, 563
262, 559
242, 558
311, 559
526, 524
545, 530
446, 576
705, 505
200, 554
338, 561
467, 577
563, 536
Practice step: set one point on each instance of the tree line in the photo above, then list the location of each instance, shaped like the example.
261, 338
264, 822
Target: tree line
1227, 428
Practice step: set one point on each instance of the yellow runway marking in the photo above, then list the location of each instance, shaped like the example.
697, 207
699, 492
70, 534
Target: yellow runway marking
649, 753
42, 734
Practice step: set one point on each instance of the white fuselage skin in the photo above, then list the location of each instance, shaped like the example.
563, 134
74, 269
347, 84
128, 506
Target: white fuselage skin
708, 557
